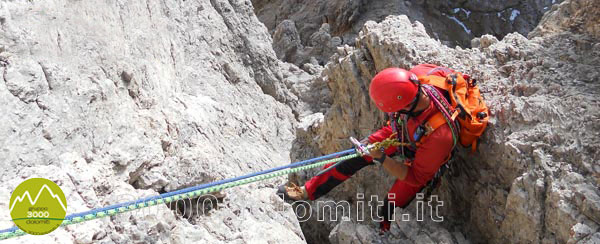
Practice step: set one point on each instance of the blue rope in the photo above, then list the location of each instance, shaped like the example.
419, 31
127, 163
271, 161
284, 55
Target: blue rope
198, 187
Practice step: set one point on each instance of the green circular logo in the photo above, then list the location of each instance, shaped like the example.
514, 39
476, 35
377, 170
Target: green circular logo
38, 206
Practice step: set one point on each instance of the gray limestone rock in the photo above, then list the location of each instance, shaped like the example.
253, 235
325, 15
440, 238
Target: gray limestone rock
535, 177
452, 22
120, 100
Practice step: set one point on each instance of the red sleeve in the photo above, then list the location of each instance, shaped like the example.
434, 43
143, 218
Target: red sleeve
430, 156
380, 135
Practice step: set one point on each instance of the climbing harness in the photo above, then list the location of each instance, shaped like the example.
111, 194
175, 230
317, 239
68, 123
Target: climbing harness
194, 191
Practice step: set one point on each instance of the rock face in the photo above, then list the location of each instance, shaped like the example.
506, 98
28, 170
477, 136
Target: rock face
453, 22
535, 177
116, 101
577, 16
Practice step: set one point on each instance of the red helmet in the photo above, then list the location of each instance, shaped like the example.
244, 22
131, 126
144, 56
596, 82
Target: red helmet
393, 89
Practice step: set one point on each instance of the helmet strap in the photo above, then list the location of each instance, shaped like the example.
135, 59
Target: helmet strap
415, 102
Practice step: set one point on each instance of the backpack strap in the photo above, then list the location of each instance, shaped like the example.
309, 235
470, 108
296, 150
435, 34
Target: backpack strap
431, 125
434, 122
444, 116
449, 114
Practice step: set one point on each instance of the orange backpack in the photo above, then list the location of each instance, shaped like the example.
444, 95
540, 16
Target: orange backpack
466, 103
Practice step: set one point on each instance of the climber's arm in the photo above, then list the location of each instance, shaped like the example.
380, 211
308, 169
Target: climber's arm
429, 157
395, 168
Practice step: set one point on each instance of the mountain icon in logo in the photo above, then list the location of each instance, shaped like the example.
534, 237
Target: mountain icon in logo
45, 189
41, 213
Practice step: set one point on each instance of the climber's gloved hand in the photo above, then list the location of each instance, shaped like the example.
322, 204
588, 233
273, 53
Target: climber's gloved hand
376, 153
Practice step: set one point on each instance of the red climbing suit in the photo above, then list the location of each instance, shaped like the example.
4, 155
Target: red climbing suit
430, 155
432, 152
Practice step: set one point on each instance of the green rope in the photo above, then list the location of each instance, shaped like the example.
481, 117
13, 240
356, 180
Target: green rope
188, 195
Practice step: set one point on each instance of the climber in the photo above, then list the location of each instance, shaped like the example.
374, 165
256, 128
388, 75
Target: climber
398, 92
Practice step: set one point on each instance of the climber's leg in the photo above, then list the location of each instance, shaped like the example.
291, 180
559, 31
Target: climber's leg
400, 195
321, 184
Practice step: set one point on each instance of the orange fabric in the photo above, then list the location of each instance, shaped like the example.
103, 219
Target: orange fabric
468, 102
431, 69
436, 121
432, 124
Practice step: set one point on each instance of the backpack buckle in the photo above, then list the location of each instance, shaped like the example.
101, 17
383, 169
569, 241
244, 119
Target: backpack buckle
451, 79
428, 129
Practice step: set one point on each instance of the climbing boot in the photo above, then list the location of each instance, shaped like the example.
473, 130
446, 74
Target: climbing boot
385, 224
292, 193
384, 227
